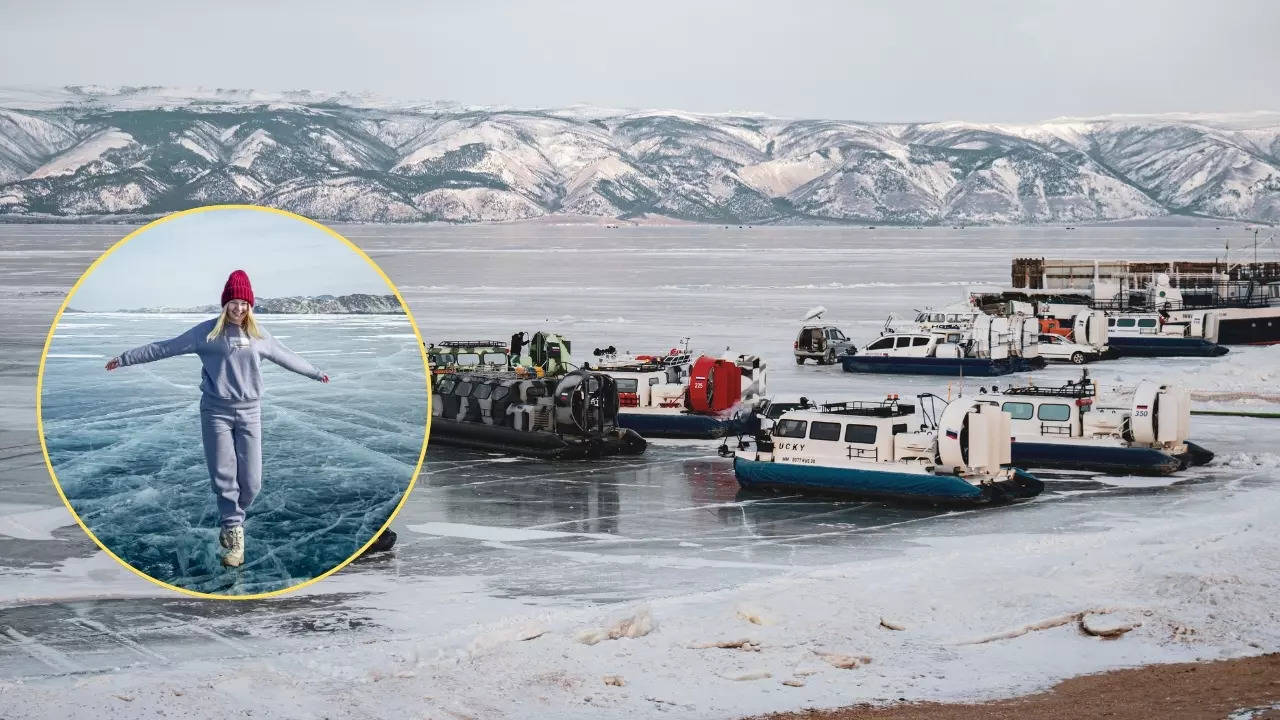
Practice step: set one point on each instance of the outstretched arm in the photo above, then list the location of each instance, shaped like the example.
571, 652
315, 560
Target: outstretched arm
185, 343
290, 360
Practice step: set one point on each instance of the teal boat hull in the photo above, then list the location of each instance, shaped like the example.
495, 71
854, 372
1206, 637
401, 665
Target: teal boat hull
883, 484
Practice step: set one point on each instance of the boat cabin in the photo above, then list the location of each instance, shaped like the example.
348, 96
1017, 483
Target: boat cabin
838, 433
1187, 324
468, 355
1044, 411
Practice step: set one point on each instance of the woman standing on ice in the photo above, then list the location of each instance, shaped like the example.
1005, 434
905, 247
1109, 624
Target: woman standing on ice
231, 349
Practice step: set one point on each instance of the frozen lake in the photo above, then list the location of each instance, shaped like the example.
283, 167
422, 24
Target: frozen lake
502, 564
337, 457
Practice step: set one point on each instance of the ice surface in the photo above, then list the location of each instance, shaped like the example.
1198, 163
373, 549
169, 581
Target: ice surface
503, 563
336, 458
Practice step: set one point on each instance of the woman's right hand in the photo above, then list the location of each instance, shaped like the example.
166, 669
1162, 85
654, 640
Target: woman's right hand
113, 363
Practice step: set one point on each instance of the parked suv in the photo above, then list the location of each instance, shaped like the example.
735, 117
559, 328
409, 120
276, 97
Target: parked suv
822, 343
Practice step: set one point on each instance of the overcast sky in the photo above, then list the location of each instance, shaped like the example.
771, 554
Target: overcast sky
185, 263
876, 61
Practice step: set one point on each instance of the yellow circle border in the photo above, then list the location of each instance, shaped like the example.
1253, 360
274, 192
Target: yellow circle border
426, 369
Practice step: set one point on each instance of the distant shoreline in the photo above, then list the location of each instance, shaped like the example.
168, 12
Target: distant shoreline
352, 304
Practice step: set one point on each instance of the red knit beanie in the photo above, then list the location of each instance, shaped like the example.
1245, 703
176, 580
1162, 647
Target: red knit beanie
238, 288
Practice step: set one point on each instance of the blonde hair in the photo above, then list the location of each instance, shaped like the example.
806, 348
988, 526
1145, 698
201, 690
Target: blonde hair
249, 324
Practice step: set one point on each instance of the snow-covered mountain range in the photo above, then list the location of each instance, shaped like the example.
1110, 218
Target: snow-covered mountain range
131, 152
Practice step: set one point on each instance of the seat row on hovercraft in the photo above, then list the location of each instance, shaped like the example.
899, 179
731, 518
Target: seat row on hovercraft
496, 397
488, 397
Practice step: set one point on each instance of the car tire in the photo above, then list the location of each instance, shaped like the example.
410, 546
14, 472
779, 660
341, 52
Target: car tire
1078, 358
830, 358
799, 361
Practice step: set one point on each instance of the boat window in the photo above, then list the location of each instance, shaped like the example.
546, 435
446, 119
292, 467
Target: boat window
937, 317
953, 338
904, 342
824, 431
790, 428
468, 359
861, 434
653, 381
628, 385
463, 389
1054, 412
920, 341
1019, 410
1147, 322
881, 344
495, 358
482, 391
501, 392
899, 428
440, 358
1125, 322
1111, 322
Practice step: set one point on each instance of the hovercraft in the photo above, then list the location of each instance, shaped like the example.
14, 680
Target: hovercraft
965, 342
485, 399
1148, 329
677, 396
1066, 428
866, 450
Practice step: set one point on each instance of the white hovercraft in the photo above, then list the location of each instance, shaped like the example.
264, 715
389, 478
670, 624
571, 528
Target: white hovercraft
867, 449
1066, 427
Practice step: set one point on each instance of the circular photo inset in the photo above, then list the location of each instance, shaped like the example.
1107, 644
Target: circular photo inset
234, 402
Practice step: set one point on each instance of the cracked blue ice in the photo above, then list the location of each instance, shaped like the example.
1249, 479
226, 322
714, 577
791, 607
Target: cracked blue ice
336, 458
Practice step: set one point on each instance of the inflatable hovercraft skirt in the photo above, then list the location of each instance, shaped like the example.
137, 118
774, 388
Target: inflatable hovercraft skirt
974, 367
688, 425
925, 488
1158, 346
1107, 459
542, 444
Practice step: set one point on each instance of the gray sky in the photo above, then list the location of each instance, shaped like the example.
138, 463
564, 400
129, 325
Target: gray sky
185, 263
876, 61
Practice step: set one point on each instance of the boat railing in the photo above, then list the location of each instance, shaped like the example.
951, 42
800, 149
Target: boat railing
1073, 390
1196, 301
857, 453
882, 408
1047, 429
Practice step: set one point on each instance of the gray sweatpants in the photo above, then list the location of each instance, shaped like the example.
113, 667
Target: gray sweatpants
232, 433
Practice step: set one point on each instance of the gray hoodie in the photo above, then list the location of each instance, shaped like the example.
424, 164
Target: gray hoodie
232, 361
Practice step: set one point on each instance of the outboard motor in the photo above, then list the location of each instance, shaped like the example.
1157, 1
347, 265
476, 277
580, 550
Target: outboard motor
973, 437
1000, 338
586, 402
1090, 328
548, 351
1030, 347
1161, 414
714, 385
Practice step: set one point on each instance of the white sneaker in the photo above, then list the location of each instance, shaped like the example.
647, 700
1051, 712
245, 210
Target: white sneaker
233, 540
